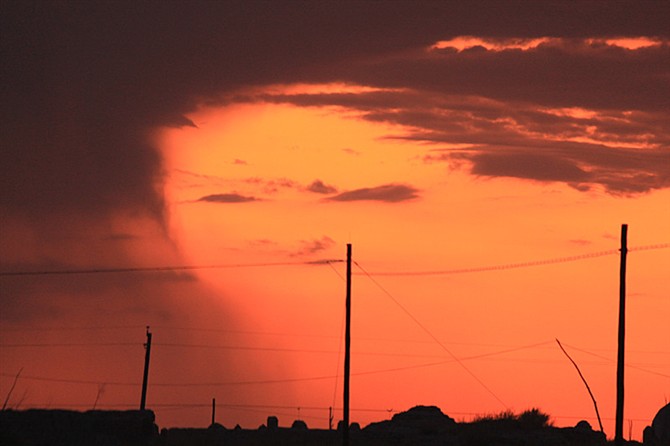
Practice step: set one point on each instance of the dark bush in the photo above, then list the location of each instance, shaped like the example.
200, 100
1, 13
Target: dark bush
534, 419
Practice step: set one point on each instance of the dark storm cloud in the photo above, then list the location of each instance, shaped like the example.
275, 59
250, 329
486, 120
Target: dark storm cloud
389, 193
623, 151
560, 73
84, 85
568, 110
57, 290
526, 165
619, 171
319, 187
86, 81
580, 165
120, 237
227, 198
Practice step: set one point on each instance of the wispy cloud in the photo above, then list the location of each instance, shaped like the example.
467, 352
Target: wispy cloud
309, 247
390, 193
350, 151
271, 185
319, 187
227, 198
189, 179
263, 242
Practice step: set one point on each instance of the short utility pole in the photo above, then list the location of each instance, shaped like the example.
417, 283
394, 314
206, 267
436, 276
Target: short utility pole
213, 411
147, 356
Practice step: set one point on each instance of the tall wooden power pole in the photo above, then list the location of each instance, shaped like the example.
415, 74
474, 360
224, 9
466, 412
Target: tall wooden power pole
347, 353
145, 380
618, 435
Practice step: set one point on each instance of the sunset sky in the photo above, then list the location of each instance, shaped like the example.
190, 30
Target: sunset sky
480, 157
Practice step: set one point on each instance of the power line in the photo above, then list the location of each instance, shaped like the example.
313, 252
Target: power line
259, 407
315, 351
515, 265
228, 347
425, 329
285, 380
161, 268
328, 262
241, 332
293, 350
448, 361
272, 333
632, 366
222, 405
72, 344
69, 328
74, 381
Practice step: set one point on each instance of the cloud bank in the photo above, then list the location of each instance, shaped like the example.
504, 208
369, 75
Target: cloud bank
227, 198
389, 193
583, 111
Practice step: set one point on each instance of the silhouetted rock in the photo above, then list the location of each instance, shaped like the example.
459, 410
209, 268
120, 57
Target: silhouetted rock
419, 419
216, 427
273, 422
658, 434
583, 425
299, 425
352, 426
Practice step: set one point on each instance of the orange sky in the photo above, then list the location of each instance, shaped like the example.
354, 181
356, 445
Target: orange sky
433, 137
271, 154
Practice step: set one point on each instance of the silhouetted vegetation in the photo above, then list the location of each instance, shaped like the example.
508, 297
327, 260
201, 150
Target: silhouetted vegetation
529, 419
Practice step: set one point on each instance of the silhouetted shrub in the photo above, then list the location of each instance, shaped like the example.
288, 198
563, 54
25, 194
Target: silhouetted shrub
534, 419
507, 415
529, 419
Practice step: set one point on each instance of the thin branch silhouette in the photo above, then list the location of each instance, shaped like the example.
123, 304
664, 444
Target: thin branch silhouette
11, 389
101, 390
595, 404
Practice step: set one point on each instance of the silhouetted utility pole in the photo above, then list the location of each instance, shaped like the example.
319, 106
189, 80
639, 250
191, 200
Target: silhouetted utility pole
147, 356
618, 428
347, 353
213, 411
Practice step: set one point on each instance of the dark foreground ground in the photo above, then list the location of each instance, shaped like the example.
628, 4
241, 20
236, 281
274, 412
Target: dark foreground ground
418, 426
